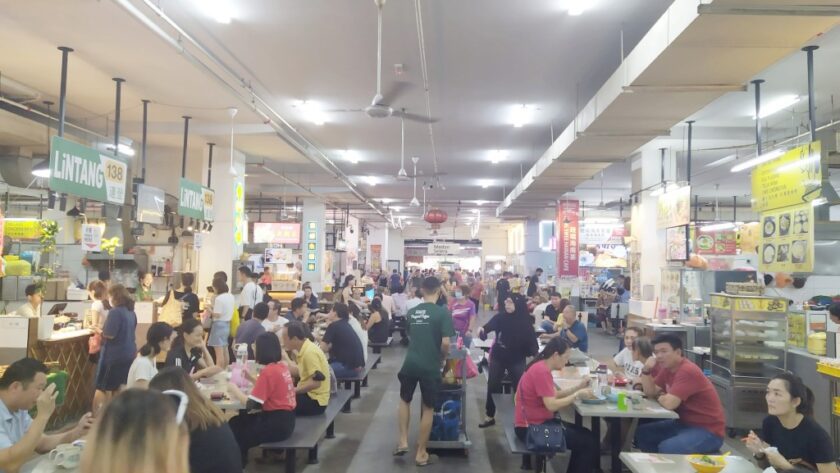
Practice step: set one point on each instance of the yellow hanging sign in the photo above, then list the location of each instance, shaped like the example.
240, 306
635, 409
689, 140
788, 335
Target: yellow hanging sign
791, 179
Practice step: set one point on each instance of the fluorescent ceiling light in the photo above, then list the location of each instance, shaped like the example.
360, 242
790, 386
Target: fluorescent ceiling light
479, 202
350, 156
521, 115
601, 220
577, 7
484, 184
777, 105
396, 208
721, 161
42, 169
123, 148
497, 156
819, 201
371, 181
475, 211
758, 160
219, 10
718, 226
796, 164
312, 112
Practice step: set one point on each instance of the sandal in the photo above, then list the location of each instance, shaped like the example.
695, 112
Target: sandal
487, 423
400, 451
429, 461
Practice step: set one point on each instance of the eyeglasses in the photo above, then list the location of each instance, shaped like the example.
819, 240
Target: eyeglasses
183, 402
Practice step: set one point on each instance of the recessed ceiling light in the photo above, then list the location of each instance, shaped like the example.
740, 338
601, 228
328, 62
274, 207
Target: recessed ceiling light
371, 181
577, 7
521, 115
484, 184
219, 10
497, 156
351, 156
777, 105
723, 160
311, 112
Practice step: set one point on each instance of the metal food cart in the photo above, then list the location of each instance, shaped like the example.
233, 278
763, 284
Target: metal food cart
749, 346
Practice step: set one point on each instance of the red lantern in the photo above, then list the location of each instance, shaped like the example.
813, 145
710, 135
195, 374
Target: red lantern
435, 217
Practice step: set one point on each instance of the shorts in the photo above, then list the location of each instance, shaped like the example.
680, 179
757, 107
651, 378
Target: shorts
219, 334
428, 389
110, 376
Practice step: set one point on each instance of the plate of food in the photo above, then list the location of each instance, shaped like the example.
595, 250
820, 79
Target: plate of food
707, 463
705, 242
769, 226
768, 254
799, 251
784, 224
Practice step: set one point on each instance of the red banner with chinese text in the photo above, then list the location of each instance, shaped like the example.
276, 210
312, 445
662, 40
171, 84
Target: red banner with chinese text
568, 238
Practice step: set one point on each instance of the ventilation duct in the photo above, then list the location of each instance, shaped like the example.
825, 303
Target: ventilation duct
16, 170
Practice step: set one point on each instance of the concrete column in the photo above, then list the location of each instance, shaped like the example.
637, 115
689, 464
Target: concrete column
535, 255
312, 243
222, 245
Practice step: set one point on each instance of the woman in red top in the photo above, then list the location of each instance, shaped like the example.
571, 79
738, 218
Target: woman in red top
537, 400
271, 405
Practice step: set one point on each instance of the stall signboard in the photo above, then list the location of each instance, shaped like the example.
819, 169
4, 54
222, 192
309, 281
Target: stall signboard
91, 238
85, 172
787, 240
198, 240
287, 233
568, 238
602, 234
375, 258
676, 243
797, 333
444, 249
720, 242
673, 208
791, 179
22, 228
196, 201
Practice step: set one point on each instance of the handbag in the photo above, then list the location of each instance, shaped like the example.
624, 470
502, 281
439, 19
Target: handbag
94, 343
546, 438
234, 323
472, 369
172, 311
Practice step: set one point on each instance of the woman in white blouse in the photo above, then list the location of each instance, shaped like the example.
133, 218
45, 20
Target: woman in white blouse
144, 368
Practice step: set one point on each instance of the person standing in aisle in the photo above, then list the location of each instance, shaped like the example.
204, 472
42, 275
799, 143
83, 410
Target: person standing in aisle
394, 282
430, 327
533, 284
515, 341
250, 295
222, 313
118, 348
476, 291
502, 290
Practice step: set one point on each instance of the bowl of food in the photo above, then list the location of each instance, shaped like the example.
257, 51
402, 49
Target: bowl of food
707, 463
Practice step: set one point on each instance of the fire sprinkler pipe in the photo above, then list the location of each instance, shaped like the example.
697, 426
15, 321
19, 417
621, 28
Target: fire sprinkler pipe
143, 142
688, 160
210, 163
184, 151
812, 106
62, 94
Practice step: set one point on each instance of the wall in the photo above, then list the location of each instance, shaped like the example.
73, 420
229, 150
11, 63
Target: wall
377, 236
396, 247
536, 257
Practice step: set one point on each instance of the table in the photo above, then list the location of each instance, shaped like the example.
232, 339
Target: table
47, 466
483, 344
638, 463
219, 383
649, 410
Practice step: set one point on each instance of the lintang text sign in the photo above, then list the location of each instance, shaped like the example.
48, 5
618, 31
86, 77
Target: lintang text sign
196, 201
85, 172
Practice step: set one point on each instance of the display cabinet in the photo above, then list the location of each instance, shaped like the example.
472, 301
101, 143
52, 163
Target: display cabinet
749, 346
686, 291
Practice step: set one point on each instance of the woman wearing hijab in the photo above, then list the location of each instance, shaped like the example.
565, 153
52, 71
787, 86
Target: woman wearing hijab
515, 341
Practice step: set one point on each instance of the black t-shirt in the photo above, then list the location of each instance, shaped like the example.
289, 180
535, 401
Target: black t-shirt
808, 441
380, 331
551, 312
178, 356
515, 338
213, 451
345, 346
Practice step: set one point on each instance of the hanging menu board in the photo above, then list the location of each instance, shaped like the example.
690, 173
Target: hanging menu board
787, 240
673, 208
792, 179
85, 172
718, 242
196, 201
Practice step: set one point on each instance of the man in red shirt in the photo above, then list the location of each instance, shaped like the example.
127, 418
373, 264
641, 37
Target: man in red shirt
679, 385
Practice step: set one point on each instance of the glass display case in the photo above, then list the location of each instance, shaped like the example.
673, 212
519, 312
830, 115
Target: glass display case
686, 291
749, 345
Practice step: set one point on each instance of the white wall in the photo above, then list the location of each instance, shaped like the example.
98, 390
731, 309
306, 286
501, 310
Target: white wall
377, 236
396, 247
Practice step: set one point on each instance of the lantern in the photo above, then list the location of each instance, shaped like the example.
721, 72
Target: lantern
435, 217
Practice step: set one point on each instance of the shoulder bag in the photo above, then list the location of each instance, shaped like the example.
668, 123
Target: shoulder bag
546, 438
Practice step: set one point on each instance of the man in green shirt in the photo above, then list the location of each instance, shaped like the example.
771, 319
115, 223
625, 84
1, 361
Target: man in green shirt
429, 329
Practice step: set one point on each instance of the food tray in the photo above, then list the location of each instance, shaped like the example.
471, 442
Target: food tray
828, 370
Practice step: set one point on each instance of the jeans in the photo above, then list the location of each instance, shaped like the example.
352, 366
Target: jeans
496, 375
581, 444
672, 436
548, 326
342, 371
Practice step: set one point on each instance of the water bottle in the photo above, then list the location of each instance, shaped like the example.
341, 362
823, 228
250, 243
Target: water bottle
622, 401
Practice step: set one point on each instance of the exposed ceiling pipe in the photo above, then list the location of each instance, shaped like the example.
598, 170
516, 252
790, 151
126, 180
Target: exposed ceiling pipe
253, 100
758, 138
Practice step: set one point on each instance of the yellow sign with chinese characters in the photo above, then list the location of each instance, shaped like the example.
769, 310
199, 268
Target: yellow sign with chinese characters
791, 179
748, 304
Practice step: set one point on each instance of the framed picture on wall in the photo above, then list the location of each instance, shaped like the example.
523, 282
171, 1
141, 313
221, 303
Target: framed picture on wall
676, 243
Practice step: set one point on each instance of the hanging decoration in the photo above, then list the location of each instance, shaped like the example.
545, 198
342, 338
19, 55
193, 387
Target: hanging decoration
435, 217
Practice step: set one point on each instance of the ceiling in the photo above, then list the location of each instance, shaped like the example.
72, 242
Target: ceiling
483, 57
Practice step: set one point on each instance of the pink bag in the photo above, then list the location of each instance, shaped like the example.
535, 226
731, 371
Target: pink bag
472, 370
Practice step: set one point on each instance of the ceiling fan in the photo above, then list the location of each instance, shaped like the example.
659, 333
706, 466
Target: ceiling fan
380, 105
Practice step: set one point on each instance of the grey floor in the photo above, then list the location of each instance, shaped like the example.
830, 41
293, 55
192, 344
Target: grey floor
365, 438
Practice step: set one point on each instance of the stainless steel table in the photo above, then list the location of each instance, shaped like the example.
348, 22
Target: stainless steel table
648, 463
648, 409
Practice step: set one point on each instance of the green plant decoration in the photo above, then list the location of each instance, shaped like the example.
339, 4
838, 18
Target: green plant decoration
110, 245
49, 231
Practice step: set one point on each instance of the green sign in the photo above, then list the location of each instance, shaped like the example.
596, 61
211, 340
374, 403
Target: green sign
85, 172
196, 201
